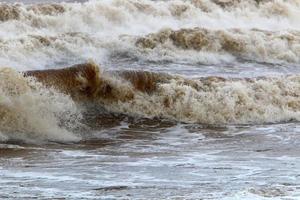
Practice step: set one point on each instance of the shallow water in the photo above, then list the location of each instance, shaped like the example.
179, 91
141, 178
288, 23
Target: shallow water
153, 152
151, 160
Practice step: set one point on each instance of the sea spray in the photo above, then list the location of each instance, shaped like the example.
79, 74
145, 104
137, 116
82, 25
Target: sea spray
207, 100
41, 35
29, 111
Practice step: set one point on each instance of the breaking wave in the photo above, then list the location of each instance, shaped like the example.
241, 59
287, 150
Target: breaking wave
260, 45
210, 100
121, 12
31, 112
47, 34
17, 12
47, 104
188, 45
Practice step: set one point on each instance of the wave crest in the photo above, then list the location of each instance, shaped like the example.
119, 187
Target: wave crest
214, 100
209, 100
19, 11
30, 110
47, 34
251, 44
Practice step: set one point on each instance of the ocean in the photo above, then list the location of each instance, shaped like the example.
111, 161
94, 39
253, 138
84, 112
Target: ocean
144, 99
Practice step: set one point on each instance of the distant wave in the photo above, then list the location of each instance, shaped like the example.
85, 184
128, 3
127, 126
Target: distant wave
46, 34
253, 44
114, 9
18, 12
189, 45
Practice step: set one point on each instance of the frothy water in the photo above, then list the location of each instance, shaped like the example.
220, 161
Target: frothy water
184, 99
31, 112
149, 161
35, 36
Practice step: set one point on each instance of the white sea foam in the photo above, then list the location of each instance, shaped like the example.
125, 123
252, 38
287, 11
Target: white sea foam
210, 100
33, 36
258, 45
211, 32
28, 111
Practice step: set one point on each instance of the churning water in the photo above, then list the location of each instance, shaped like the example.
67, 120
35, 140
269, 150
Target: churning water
183, 99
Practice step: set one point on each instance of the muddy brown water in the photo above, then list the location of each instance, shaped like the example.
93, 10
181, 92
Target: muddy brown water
122, 157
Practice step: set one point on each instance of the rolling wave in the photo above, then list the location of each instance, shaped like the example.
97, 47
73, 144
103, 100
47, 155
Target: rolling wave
31, 112
48, 104
46, 34
254, 44
208, 100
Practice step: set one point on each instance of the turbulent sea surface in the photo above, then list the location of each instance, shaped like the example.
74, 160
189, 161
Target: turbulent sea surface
179, 99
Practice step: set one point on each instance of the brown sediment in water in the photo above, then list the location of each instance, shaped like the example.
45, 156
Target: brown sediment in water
232, 3
15, 11
144, 81
79, 81
47, 9
210, 100
253, 43
85, 81
8, 12
196, 39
